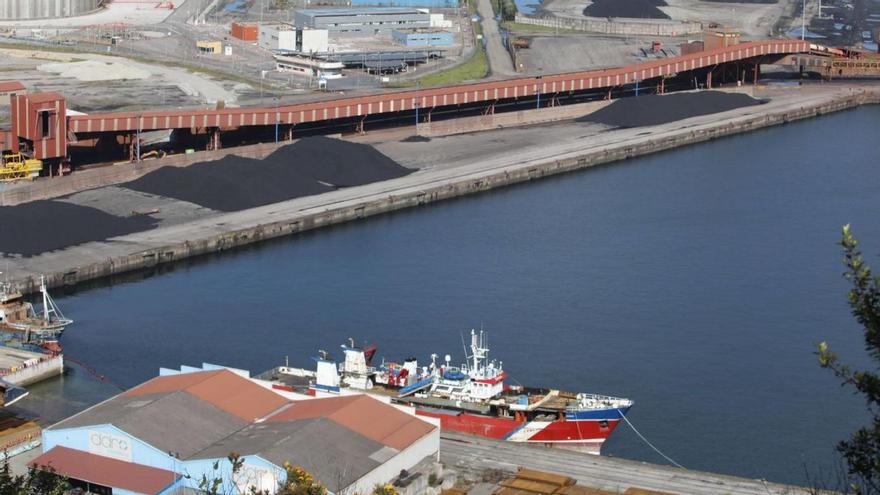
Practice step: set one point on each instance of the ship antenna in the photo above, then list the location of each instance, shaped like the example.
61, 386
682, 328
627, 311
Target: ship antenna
463, 346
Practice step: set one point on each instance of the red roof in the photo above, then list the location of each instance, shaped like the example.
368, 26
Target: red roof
222, 388
105, 471
44, 97
7, 86
363, 414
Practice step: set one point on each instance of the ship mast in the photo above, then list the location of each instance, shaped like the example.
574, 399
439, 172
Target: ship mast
478, 350
45, 298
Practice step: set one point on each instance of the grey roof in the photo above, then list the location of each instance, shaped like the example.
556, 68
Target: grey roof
334, 454
193, 428
172, 422
359, 11
107, 411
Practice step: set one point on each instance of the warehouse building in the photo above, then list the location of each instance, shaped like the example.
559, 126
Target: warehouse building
163, 435
432, 4
310, 66
207, 47
362, 21
422, 37
287, 38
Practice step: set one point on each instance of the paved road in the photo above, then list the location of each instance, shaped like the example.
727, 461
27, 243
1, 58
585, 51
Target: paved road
499, 59
474, 455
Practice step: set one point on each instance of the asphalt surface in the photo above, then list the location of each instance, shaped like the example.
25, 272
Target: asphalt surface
499, 59
475, 455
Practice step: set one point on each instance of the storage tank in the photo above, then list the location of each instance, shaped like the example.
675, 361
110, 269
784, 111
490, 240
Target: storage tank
11, 10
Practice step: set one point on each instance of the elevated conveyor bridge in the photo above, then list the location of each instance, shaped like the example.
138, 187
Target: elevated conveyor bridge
737, 63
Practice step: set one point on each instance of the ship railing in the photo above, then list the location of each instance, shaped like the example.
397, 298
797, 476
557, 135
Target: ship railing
598, 400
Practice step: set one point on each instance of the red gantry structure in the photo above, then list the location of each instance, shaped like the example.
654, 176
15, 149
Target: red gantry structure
38, 118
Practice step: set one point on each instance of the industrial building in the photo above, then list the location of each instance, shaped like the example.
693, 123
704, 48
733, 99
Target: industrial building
163, 435
12, 10
207, 47
10, 89
310, 66
362, 21
287, 38
422, 37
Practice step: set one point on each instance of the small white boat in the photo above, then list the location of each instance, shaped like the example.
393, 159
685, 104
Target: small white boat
20, 316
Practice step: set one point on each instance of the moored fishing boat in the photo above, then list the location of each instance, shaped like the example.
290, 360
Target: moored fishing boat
470, 398
20, 321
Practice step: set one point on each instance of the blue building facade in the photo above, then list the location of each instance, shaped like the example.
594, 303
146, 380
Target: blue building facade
423, 37
108, 441
169, 432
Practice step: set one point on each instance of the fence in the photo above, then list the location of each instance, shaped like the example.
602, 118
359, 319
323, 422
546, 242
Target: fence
616, 27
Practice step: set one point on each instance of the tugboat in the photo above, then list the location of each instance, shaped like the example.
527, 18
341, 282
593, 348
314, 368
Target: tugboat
471, 398
19, 318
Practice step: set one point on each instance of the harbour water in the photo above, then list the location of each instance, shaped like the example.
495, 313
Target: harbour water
695, 282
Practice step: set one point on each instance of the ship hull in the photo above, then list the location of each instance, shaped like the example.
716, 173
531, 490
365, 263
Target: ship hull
587, 435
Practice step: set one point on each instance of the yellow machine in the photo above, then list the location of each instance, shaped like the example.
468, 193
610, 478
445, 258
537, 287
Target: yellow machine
15, 166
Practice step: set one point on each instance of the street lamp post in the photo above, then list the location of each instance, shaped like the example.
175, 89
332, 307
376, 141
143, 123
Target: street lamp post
277, 118
137, 144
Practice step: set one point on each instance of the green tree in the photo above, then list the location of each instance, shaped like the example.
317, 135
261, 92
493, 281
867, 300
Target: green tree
36, 482
862, 450
297, 481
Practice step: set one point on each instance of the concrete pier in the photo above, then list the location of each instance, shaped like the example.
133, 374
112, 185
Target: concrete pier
474, 455
450, 167
22, 367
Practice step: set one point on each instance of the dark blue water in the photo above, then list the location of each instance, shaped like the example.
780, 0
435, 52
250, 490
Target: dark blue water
695, 282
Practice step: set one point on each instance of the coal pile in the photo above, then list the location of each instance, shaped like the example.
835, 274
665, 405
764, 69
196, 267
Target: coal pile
309, 166
640, 9
335, 162
415, 138
638, 111
743, 1
41, 226
231, 183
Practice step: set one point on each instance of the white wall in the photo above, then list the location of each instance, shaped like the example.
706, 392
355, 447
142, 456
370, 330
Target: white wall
277, 37
314, 40
426, 446
438, 21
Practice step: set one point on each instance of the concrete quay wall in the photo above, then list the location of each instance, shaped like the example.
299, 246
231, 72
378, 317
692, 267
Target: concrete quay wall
618, 26
37, 372
458, 184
